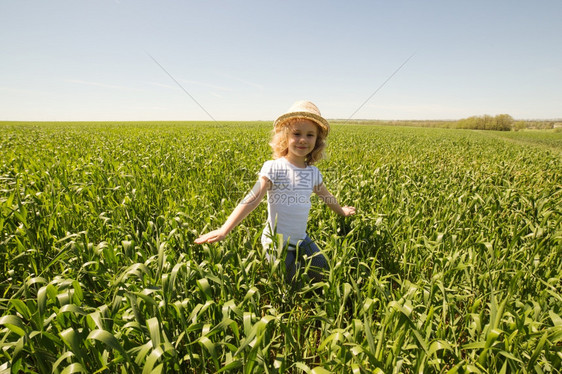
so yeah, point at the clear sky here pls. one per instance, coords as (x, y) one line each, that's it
(250, 60)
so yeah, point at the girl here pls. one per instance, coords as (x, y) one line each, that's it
(299, 139)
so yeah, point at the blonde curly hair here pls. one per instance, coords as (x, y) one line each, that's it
(280, 141)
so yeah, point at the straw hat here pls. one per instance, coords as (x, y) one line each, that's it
(303, 109)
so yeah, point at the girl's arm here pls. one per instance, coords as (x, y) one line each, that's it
(331, 201)
(247, 205)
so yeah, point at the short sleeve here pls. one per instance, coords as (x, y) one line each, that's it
(318, 179)
(267, 170)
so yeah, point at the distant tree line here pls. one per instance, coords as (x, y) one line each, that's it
(503, 122)
(500, 122)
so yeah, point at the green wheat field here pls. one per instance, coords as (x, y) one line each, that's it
(453, 263)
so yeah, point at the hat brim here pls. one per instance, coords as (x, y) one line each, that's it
(319, 120)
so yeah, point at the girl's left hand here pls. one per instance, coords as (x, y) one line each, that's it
(211, 237)
(348, 211)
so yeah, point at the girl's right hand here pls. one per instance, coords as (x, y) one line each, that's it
(211, 237)
(348, 211)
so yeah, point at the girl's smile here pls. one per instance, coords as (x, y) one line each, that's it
(301, 141)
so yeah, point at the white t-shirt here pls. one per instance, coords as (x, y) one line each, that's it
(288, 199)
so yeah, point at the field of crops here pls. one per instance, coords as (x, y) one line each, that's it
(453, 262)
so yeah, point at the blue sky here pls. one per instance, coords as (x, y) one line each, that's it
(250, 60)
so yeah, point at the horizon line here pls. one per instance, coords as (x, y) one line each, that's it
(556, 119)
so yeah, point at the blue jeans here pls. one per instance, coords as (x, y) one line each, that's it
(294, 260)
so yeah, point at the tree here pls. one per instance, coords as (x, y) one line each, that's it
(503, 122)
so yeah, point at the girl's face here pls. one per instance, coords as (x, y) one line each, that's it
(302, 136)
